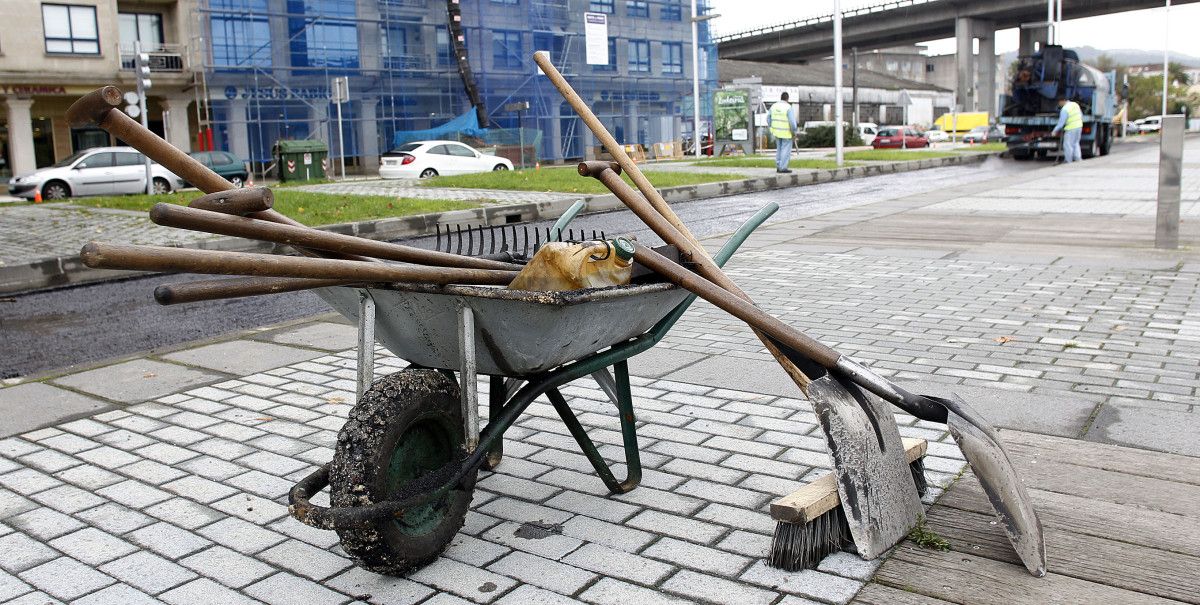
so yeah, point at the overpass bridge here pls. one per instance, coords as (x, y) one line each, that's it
(906, 22)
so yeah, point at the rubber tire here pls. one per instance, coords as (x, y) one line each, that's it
(161, 186)
(1106, 145)
(358, 475)
(51, 186)
(499, 168)
(428, 173)
(1023, 156)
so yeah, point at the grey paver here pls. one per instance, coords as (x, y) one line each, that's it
(241, 356)
(117, 594)
(615, 592)
(708, 588)
(136, 380)
(530, 595)
(314, 563)
(319, 335)
(65, 578)
(616, 563)
(543, 573)
(147, 572)
(204, 590)
(27, 406)
(465, 581)
(22, 552)
(807, 583)
(168, 540)
(92, 546)
(286, 589)
(383, 589)
(114, 518)
(230, 568)
(45, 523)
(240, 535)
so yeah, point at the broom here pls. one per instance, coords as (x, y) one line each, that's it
(810, 522)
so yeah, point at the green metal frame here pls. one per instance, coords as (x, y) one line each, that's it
(502, 414)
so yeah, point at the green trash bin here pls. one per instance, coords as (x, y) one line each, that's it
(302, 160)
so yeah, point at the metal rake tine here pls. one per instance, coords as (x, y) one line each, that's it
(525, 248)
(570, 235)
(537, 239)
(437, 244)
(458, 231)
(492, 239)
(470, 240)
(503, 238)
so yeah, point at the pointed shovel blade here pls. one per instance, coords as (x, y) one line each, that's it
(1000, 482)
(873, 479)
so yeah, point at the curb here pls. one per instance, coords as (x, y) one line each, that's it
(64, 271)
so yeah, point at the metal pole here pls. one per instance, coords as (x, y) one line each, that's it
(1166, 56)
(1052, 31)
(695, 81)
(341, 141)
(1058, 16)
(854, 86)
(839, 134)
(521, 137)
(1170, 170)
(141, 91)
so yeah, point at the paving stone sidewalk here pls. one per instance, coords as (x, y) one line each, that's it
(181, 498)
(413, 188)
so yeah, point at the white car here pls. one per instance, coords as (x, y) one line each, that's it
(425, 159)
(937, 136)
(867, 131)
(1149, 124)
(95, 171)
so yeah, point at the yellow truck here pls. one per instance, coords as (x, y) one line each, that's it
(961, 122)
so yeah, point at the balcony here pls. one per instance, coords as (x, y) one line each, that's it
(164, 58)
(403, 3)
(406, 62)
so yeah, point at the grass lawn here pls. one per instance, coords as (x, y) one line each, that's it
(765, 162)
(984, 147)
(565, 179)
(312, 209)
(897, 155)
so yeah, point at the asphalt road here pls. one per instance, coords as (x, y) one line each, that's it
(53, 330)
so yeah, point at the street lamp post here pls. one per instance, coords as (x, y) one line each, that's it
(696, 19)
(837, 81)
(1166, 55)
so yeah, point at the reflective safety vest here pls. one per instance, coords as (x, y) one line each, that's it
(1074, 116)
(781, 127)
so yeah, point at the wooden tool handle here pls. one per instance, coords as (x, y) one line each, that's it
(238, 202)
(158, 258)
(237, 287)
(170, 215)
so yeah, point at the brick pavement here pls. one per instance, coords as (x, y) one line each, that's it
(413, 188)
(181, 498)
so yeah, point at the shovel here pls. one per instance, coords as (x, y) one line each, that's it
(869, 460)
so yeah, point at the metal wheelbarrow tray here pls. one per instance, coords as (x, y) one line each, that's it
(405, 463)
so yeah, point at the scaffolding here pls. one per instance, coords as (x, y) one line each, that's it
(266, 67)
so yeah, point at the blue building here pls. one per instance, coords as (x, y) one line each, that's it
(268, 67)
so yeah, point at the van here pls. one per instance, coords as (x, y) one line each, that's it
(962, 122)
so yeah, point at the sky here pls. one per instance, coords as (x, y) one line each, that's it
(1133, 29)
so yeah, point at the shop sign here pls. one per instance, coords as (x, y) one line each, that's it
(272, 92)
(28, 90)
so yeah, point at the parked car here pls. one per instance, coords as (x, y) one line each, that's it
(1148, 124)
(937, 135)
(96, 171)
(984, 134)
(896, 137)
(867, 131)
(425, 159)
(225, 164)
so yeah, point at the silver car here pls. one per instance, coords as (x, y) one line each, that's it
(96, 171)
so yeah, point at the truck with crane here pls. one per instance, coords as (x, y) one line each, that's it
(1029, 111)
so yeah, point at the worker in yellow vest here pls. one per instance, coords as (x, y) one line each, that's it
(1070, 123)
(782, 122)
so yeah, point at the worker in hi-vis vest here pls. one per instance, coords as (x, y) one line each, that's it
(1070, 123)
(783, 127)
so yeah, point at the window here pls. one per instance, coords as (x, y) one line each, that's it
(637, 8)
(639, 55)
(70, 29)
(672, 10)
(443, 47)
(553, 43)
(128, 159)
(602, 6)
(99, 160)
(440, 150)
(612, 57)
(328, 41)
(506, 49)
(140, 27)
(672, 58)
(460, 151)
(512, 2)
(241, 37)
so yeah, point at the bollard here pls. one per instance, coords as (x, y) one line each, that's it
(1170, 171)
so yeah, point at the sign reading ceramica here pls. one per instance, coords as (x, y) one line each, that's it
(731, 114)
(42, 89)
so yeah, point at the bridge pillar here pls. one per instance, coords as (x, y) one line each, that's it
(1032, 40)
(975, 85)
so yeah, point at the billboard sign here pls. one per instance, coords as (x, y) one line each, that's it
(595, 32)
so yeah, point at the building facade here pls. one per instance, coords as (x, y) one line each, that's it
(240, 75)
(53, 52)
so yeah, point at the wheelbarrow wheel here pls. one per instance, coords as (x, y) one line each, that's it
(407, 424)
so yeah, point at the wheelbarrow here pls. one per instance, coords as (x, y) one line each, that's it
(405, 464)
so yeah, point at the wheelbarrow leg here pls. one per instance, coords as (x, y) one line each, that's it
(497, 395)
(468, 381)
(366, 341)
(624, 403)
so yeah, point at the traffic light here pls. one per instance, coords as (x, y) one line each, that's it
(143, 71)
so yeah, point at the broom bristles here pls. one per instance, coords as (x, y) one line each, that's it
(798, 546)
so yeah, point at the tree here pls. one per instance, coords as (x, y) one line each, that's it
(1145, 96)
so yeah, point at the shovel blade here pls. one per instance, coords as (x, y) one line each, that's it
(1000, 482)
(873, 479)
